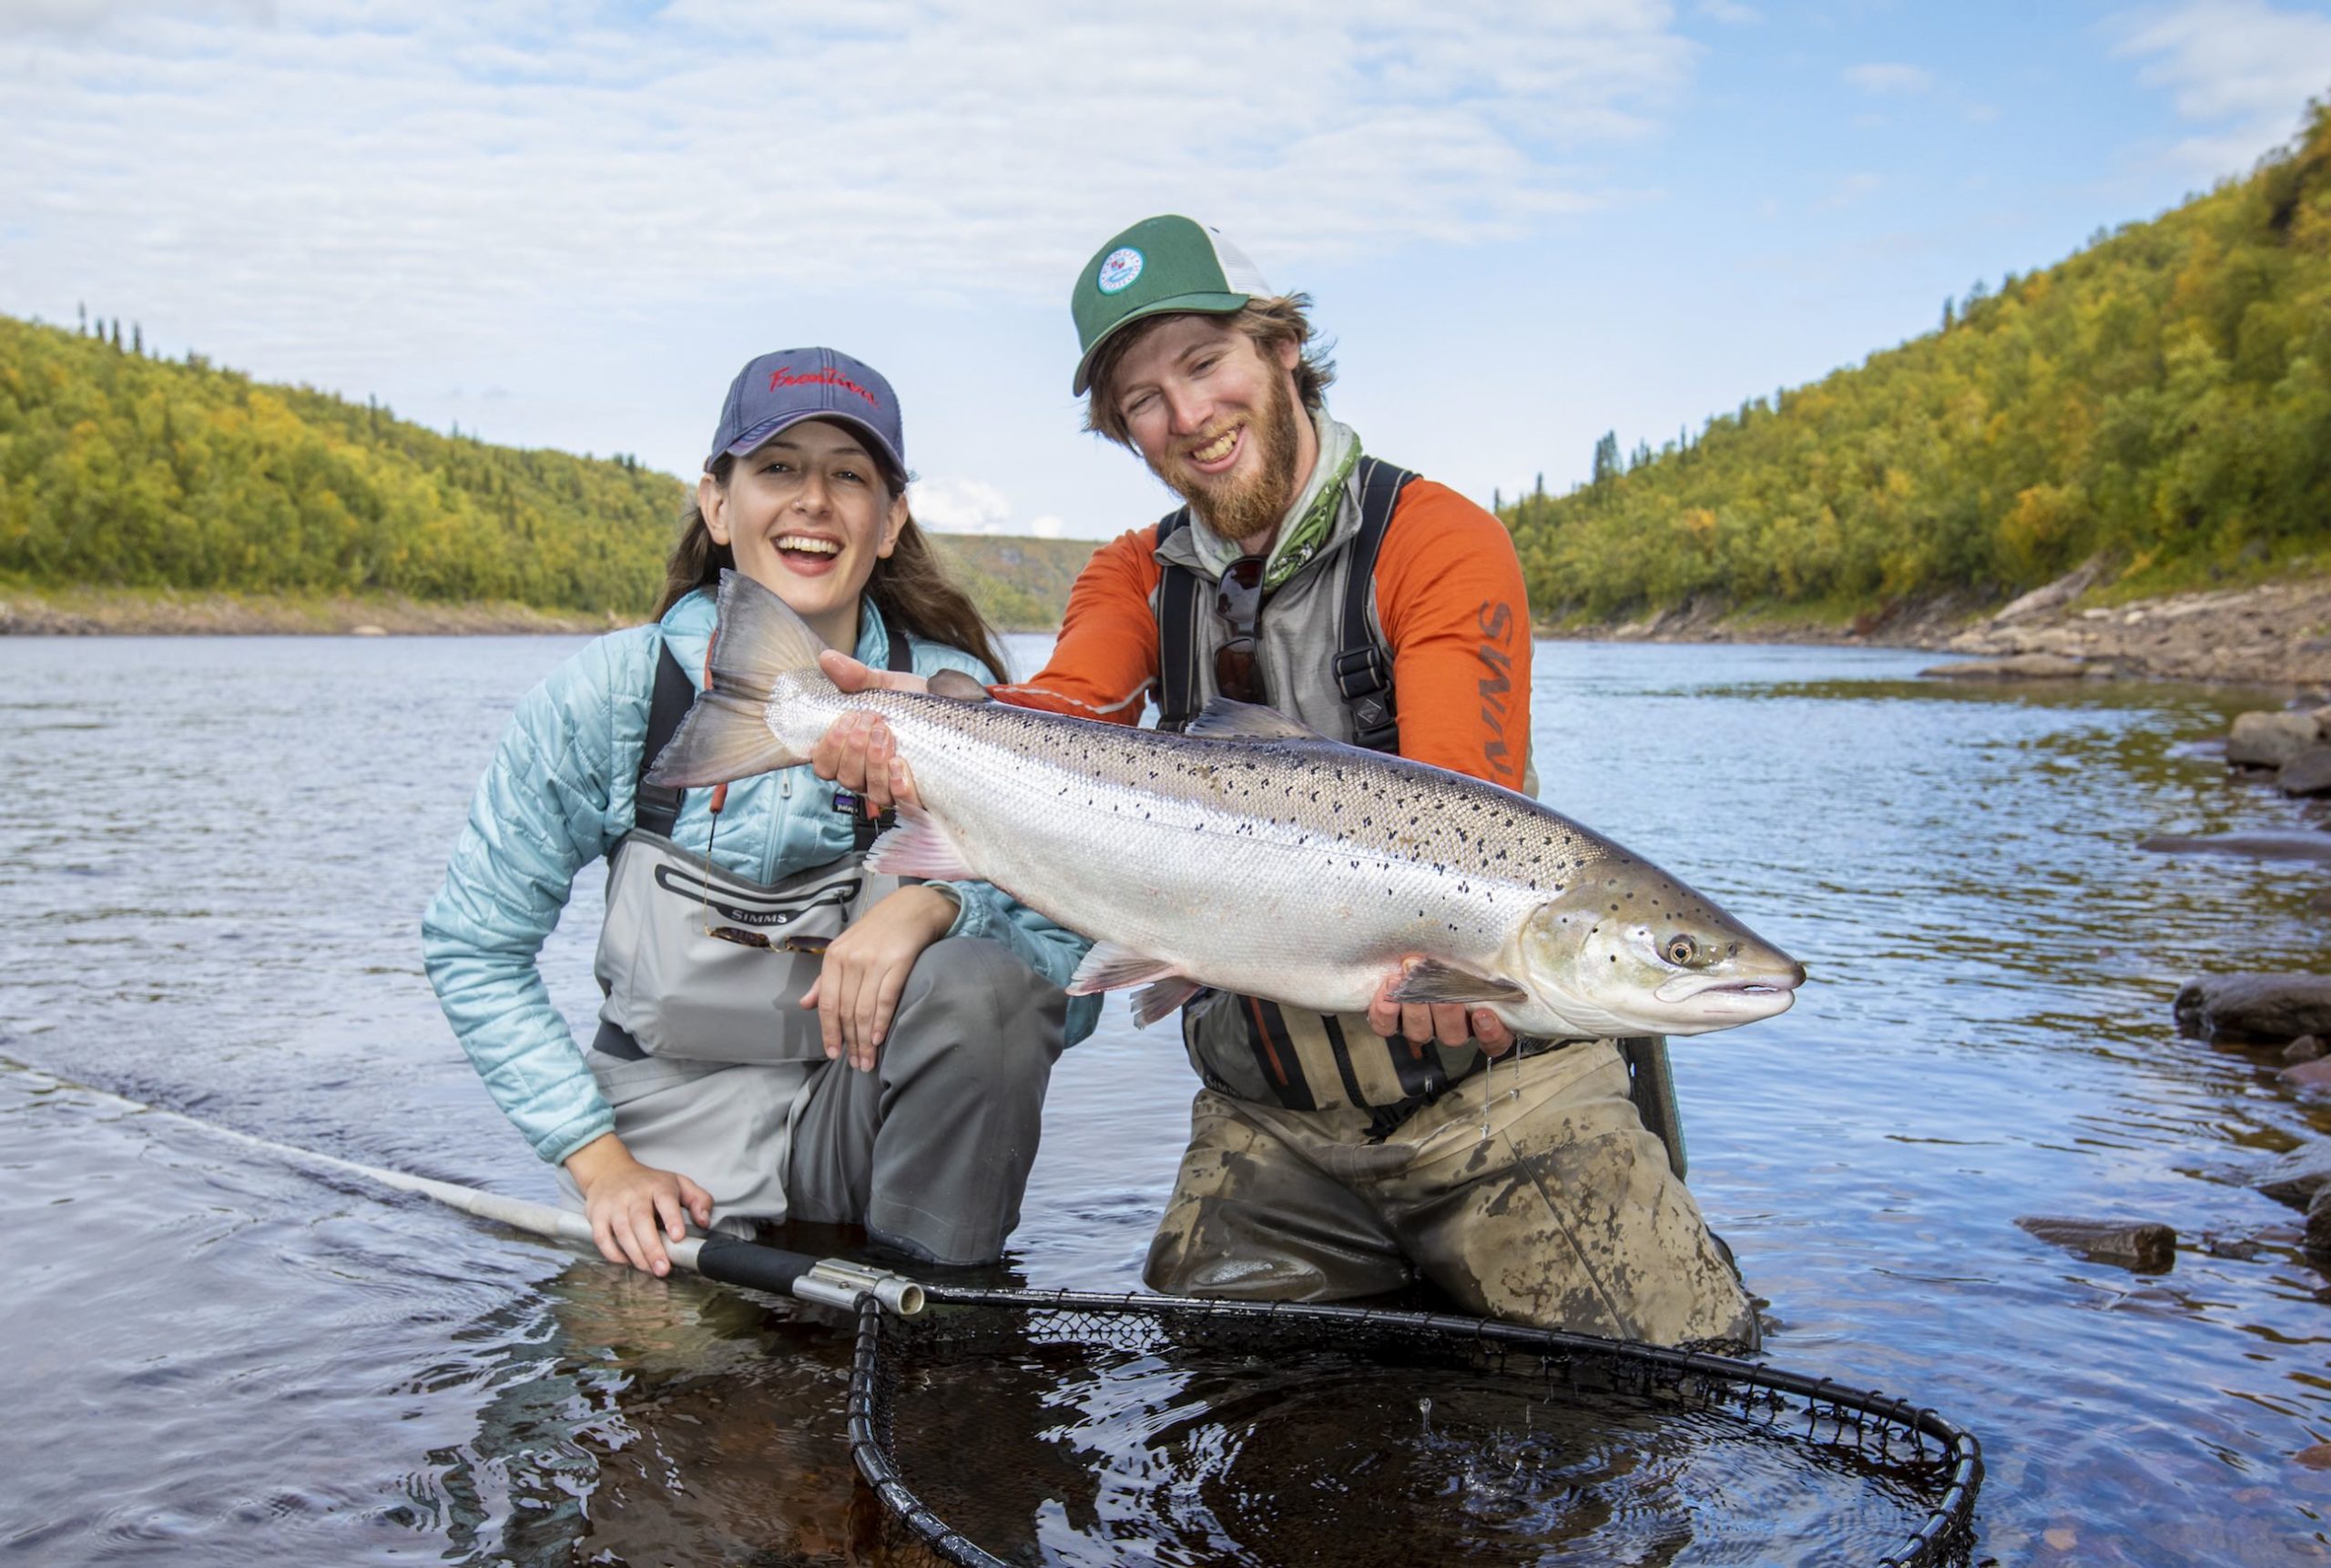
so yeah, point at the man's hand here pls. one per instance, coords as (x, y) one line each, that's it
(859, 752)
(865, 970)
(1449, 1023)
(627, 1202)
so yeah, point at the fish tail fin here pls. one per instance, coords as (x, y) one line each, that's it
(726, 735)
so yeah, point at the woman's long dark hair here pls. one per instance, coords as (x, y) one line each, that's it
(909, 587)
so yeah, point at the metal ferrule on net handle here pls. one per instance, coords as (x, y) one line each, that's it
(1831, 1412)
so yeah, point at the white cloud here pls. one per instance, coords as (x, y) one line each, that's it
(1047, 527)
(1881, 79)
(962, 507)
(393, 170)
(2240, 70)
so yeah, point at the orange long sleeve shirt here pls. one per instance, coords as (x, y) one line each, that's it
(1449, 594)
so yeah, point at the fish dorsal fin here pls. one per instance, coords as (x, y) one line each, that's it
(957, 687)
(1222, 719)
(758, 638)
(1111, 967)
(1429, 979)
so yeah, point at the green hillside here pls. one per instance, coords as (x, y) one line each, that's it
(2162, 400)
(122, 471)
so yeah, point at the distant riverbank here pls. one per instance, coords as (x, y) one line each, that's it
(2272, 634)
(2276, 633)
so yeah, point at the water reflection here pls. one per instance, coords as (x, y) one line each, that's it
(210, 877)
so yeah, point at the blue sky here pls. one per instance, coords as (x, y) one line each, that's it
(1524, 224)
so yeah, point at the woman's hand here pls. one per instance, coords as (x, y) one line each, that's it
(627, 1202)
(1421, 1023)
(865, 970)
(858, 751)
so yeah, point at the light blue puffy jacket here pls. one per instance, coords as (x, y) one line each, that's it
(557, 797)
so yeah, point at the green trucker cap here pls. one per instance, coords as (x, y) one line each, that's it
(1158, 266)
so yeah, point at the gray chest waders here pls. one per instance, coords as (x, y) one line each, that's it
(697, 962)
(1385, 1075)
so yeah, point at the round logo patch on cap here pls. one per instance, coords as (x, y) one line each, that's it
(1118, 269)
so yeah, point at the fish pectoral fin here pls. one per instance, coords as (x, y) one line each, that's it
(918, 848)
(1222, 719)
(1428, 979)
(1160, 998)
(957, 687)
(1109, 967)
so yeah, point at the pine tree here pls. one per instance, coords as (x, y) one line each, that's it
(1606, 457)
(136, 339)
(83, 307)
(116, 331)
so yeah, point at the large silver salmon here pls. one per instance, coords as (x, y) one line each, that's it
(1251, 854)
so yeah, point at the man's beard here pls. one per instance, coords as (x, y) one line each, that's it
(1238, 510)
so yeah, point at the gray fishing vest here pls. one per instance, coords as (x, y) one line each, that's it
(697, 962)
(1324, 659)
(1256, 1050)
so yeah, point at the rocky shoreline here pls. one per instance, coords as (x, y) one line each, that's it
(2270, 634)
(108, 612)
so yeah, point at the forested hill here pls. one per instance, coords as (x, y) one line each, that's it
(124, 471)
(121, 471)
(2161, 399)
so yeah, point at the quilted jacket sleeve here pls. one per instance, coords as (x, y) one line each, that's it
(545, 808)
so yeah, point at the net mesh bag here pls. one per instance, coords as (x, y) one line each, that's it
(1053, 1427)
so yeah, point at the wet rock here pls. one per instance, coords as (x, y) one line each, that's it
(2308, 773)
(2142, 1245)
(2315, 1458)
(2241, 1248)
(2270, 740)
(2298, 1176)
(2255, 1006)
(2318, 1219)
(2015, 667)
(2306, 1048)
(2312, 1077)
(2063, 591)
(2257, 846)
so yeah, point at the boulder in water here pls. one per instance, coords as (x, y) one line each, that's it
(2142, 1245)
(2297, 1176)
(2270, 740)
(2254, 1007)
(2308, 773)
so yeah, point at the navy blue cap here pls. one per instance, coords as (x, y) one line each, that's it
(783, 388)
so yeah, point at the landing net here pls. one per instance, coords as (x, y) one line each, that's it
(1045, 1427)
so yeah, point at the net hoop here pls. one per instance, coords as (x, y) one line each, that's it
(1695, 1379)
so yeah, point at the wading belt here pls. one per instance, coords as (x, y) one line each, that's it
(1363, 666)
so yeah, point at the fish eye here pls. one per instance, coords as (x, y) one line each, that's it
(1680, 950)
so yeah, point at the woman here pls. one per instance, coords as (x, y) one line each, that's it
(904, 1092)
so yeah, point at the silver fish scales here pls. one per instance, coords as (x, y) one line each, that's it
(1252, 855)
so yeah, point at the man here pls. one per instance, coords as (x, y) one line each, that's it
(1335, 1157)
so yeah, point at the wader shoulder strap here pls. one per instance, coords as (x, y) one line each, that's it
(1363, 669)
(657, 808)
(1179, 600)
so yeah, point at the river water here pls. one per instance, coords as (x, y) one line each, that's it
(213, 857)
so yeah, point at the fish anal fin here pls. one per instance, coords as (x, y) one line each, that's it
(1222, 719)
(957, 687)
(1111, 967)
(918, 848)
(1160, 998)
(1430, 981)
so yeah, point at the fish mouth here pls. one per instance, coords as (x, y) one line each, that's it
(1735, 998)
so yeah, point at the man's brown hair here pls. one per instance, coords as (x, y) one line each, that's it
(1283, 319)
